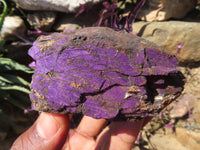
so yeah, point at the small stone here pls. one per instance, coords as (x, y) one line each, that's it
(13, 26)
(159, 10)
(67, 22)
(42, 20)
(70, 22)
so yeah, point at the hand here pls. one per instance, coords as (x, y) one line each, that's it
(51, 132)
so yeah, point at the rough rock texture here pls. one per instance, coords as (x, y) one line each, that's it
(67, 22)
(163, 139)
(192, 87)
(186, 114)
(192, 140)
(158, 10)
(182, 107)
(54, 5)
(42, 20)
(103, 74)
(172, 34)
(12, 26)
(70, 22)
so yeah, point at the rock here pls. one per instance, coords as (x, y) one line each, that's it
(42, 20)
(193, 80)
(53, 5)
(182, 107)
(137, 67)
(13, 26)
(166, 142)
(67, 22)
(70, 22)
(161, 140)
(189, 138)
(196, 111)
(68, 26)
(158, 10)
(193, 88)
(170, 35)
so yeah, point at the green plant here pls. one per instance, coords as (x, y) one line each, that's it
(3, 14)
(14, 89)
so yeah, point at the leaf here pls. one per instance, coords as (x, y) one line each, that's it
(2, 42)
(13, 79)
(4, 13)
(14, 87)
(7, 64)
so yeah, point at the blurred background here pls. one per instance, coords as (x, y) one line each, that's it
(172, 24)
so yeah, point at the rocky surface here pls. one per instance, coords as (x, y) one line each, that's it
(43, 20)
(53, 5)
(188, 138)
(181, 107)
(161, 140)
(192, 88)
(170, 35)
(67, 22)
(182, 39)
(13, 27)
(183, 130)
(159, 10)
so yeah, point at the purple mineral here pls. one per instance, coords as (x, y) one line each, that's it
(103, 73)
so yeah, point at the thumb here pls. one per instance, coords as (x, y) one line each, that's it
(48, 132)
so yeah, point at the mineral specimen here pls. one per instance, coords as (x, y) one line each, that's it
(103, 73)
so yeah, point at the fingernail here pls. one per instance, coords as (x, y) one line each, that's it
(47, 126)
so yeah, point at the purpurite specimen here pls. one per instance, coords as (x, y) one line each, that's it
(103, 73)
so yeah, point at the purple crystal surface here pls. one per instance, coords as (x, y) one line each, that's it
(103, 73)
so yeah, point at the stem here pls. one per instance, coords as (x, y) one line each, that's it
(3, 15)
(132, 15)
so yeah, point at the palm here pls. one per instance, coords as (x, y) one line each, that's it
(90, 136)
(51, 131)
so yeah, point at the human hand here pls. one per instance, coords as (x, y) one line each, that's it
(51, 132)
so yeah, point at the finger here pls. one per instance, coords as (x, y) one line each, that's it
(48, 132)
(119, 135)
(90, 127)
(84, 136)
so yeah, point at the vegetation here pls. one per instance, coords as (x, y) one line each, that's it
(14, 89)
(3, 14)
(14, 79)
